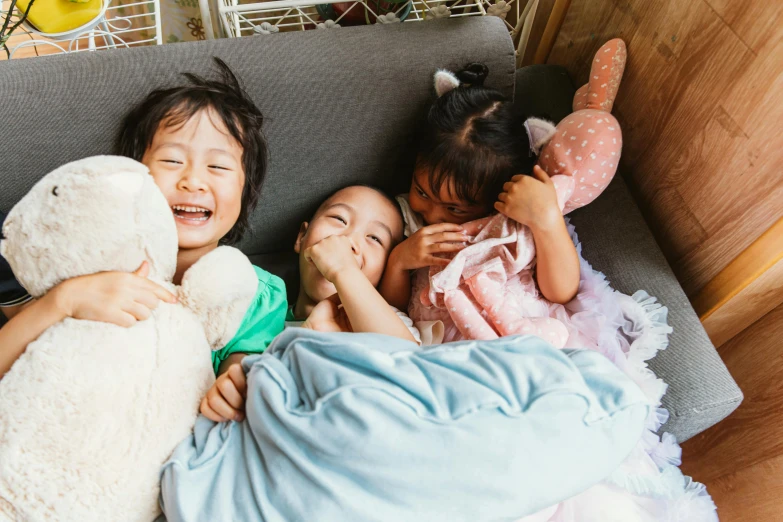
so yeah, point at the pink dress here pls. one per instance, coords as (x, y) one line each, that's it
(488, 289)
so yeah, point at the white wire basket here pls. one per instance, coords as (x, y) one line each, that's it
(119, 24)
(239, 18)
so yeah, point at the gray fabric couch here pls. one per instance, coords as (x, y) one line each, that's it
(340, 108)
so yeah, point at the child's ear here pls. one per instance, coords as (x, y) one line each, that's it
(445, 81)
(300, 237)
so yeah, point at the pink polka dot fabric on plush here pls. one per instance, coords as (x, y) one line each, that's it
(585, 147)
(606, 72)
(588, 142)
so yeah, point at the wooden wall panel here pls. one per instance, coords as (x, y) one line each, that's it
(700, 105)
(543, 12)
(746, 290)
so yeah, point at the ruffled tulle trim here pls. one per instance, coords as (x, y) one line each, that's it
(695, 504)
(669, 483)
(678, 497)
(631, 330)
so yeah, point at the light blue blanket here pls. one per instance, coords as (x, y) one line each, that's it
(362, 427)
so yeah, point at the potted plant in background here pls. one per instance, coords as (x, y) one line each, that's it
(6, 29)
(63, 19)
(366, 12)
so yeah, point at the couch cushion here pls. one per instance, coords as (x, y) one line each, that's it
(340, 105)
(544, 91)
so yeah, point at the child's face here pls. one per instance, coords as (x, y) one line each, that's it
(198, 167)
(370, 220)
(443, 207)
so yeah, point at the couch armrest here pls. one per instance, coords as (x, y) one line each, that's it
(616, 241)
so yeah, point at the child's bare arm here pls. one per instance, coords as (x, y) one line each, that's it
(25, 326)
(111, 297)
(234, 358)
(418, 251)
(11, 311)
(395, 286)
(557, 267)
(532, 201)
(366, 309)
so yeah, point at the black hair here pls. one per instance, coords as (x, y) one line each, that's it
(474, 138)
(374, 188)
(175, 106)
(388, 197)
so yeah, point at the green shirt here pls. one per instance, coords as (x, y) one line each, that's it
(264, 319)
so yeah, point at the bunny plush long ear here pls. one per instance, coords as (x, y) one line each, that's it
(445, 81)
(539, 132)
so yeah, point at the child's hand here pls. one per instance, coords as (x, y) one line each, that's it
(225, 400)
(327, 316)
(332, 255)
(112, 297)
(531, 201)
(419, 250)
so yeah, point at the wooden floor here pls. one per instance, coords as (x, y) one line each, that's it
(741, 459)
(701, 106)
(47, 46)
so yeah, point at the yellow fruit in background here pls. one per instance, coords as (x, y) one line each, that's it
(59, 16)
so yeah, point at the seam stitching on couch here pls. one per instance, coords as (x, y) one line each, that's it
(700, 411)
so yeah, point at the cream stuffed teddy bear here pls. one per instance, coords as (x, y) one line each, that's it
(91, 410)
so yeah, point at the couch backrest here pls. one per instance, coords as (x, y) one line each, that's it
(339, 105)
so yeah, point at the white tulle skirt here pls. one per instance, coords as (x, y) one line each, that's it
(648, 486)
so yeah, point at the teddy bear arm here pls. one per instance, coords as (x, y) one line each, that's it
(219, 289)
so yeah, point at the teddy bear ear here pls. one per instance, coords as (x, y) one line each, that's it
(539, 132)
(445, 81)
